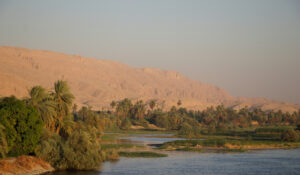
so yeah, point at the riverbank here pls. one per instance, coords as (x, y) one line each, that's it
(24, 165)
(222, 145)
(205, 143)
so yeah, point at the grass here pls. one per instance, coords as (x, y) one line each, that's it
(144, 154)
(269, 133)
(237, 140)
(225, 145)
(109, 137)
(272, 129)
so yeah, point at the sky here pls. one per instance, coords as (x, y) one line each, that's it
(249, 48)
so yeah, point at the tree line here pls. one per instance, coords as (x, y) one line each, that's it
(195, 122)
(49, 125)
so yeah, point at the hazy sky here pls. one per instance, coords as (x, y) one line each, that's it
(250, 48)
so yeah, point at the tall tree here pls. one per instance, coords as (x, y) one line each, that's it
(123, 108)
(179, 103)
(43, 102)
(64, 99)
(113, 104)
(152, 104)
(138, 110)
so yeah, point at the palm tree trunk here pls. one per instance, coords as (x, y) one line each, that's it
(57, 130)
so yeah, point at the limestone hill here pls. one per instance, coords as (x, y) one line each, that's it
(97, 82)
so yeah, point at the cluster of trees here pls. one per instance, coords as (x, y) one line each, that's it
(189, 122)
(49, 125)
(45, 125)
(20, 127)
(194, 122)
(145, 114)
(227, 118)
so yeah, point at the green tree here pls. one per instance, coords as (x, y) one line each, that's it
(138, 110)
(23, 126)
(179, 103)
(161, 120)
(64, 99)
(152, 104)
(186, 130)
(123, 108)
(41, 100)
(113, 104)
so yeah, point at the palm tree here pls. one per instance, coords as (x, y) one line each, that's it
(179, 103)
(113, 104)
(67, 126)
(123, 108)
(64, 99)
(44, 104)
(152, 104)
(138, 110)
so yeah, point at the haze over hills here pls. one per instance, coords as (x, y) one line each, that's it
(97, 82)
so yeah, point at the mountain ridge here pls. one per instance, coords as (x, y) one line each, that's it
(97, 82)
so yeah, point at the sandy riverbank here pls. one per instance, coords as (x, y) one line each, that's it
(24, 165)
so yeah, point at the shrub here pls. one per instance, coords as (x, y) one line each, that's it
(126, 124)
(78, 152)
(290, 135)
(51, 149)
(186, 130)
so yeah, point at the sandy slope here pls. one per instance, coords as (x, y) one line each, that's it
(24, 165)
(97, 82)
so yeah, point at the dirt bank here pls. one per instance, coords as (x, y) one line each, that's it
(24, 165)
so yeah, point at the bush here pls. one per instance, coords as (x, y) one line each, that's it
(51, 149)
(126, 124)
(186, 130)
(290, 135)
(78, 152)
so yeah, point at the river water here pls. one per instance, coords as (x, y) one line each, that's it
(270, 162)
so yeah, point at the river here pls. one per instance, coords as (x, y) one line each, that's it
(273, 162)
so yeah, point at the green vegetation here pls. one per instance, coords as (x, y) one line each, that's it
(50, 126)
(145, 154)
(43, 125)
(3, 142)
(225, 145)
(23, 127)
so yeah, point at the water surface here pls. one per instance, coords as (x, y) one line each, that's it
(266, 162)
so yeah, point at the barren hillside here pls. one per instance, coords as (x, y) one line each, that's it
(97, 82)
